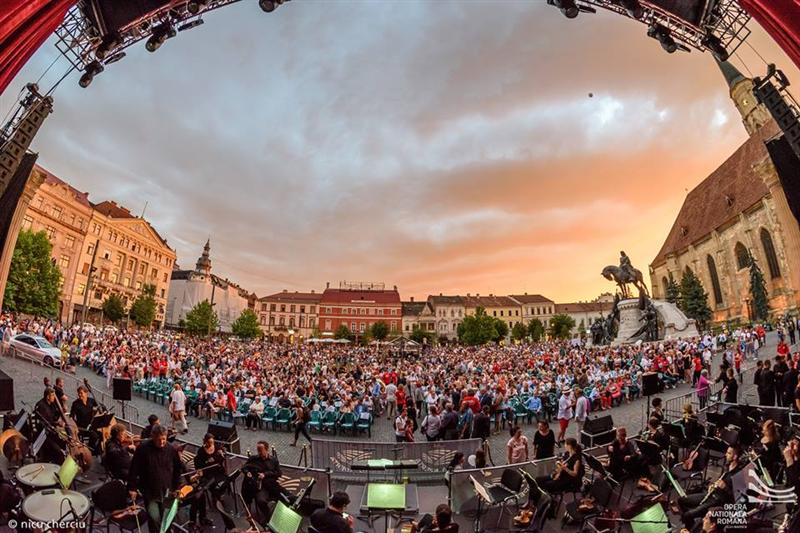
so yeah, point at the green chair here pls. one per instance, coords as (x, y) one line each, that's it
(269, 416)
(329, 421)
(519, 412)
(315, 422)
(364, 423)
(283, 418)
(348, 422)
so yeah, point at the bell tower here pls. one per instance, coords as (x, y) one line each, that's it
(754, 115)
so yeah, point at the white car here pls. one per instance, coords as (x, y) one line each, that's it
(88, 327)
(37, 348)
(110, 329)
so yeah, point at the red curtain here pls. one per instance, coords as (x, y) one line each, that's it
(781, 19)
(24, 26)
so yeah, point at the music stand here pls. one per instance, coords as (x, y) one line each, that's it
(284, 519)
(675, 431)
(100, 421)
(38, 443)
(675, 485)
(596, 466)
(652, 520)
(651, 452)
(716, 419)
(483, 496)
(386, 497)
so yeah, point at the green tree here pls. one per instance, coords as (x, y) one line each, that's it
(536, 330)
(582, 328)
(519, 331)
(143, 308)
(34, 280)
(694, 299)
(421, 336)
(501, 330)
(478, 329)
(379, 330)
(672, 292)
(758, 291)
(561, 326)
(202, 319)
(246, 325)
(113, 308)
(343, 332)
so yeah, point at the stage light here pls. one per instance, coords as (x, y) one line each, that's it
(107, 44)
(114, 58)
(713, 43)
(568, 7)
(161, 33)
(92, 69)
(196, 6)
(189, 25)
(662, 35)
(268, 6)
(633, 7)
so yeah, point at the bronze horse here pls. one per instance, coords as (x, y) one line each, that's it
(622, 279)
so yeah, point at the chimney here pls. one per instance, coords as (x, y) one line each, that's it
(412, 299)
(312, 291)
(395, 287)
(328, 285)
(491, 295)
(284, 290)
(468, 295)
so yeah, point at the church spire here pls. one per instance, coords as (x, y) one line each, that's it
(754, 115)
(204, 262)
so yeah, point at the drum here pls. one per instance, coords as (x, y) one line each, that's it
(49, 510)
(13, 445)
(37, 476)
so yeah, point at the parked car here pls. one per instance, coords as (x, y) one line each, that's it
(37, 348)
(110, 329)
(89, 327)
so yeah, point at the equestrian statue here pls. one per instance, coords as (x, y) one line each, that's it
(625, 274)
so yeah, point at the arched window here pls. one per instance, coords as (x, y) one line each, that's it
(664, 285)
(712, 271)
(769, 251)
(742, 256)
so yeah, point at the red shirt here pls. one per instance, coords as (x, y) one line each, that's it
(698, 364)
(783, 349)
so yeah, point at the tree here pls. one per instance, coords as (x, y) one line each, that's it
(536, 330)
(143, 308)
(694, 299)
(343, 332)
(479, 328)
(561, 326)
(202, 319)
(672, 292)
(758, 291)
(421, 336)
(379, 330)
(34, 280)
(582, 328)
(501, 330)
(519, 331)
(113, 308)
(246, 325)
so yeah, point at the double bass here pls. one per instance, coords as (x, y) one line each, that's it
(76, 449)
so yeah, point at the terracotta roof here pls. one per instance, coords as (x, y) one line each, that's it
(294, 297)
(531, 299)
(584, 307)
(112, 210)
(413, 308)
(346, 296)
(728, 191)
(81, 197)
(489, 301)
(445, 300)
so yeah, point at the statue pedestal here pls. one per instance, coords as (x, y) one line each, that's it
(676, 325)
(629, 323)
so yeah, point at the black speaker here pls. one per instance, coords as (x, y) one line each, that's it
(6, 392)
(601, 424)
(122, 389)
(225, 434)
(650, 384)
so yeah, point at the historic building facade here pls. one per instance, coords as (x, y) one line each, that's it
(448, 313)
(504, 308)
(418, 315)
(359, 308)
(130, 253)
(188, 288)
(289, 316)
(535, 306)
(740, 209)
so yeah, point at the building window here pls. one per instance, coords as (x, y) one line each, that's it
(352, 326)
(138, 285)
(712, 271)
(56, 212)
(327, 325)
(127, 282)
(769, 251)
(283, 308)
(282, 321)
(115, 277)
(81, 288)
(302, 321)
(291, 322)
(313, 309)
(27, 222)
(64, 262)
(302, 309)
(742, 256)
(271, 320)
(393, 326)
(263, 307)
(165, 277)
(69, 242)
(362, 327)
(664, 285)
(263, 320)
(312, 323)
(163, 293)
(291, 309)
(51, 232)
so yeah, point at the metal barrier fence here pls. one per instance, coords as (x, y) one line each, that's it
(673, 407)
(293, 478)
(131, 411)
(433, 457)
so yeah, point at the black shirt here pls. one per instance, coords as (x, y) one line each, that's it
(544, 445)
(255, 465)
(48, 411)
(83, 413)
(146, 432)
(481, 427)
(117, 460)
(155, 471)
(731, 390)
(216, 460)
(329, 521)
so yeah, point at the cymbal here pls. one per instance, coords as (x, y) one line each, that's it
(13, 445)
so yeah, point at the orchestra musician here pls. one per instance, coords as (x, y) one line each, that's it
(769, 450)
(331, 519)
(441, 523)
(210, 464)
(695, 505)
(82, 412)
(625, 457)
(569, 471)
(691, 426)
(53, 450)
(119, 453)
(791, 455)
(155, 472)
(152, 421)
(261, 473)
(59, 389)
(657, 434)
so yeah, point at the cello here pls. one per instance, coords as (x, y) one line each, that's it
(76, 449)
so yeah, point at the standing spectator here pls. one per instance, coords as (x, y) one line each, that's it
(431, 425)
(481, 427)
(465, 421)
(731, 387)
(391, 400)
(564, 414)
(702, 388)
(766, 386)
(400, 426)
(778, 371)
(449, 423)
(544, 441)
(517, 447)
(177, 408)
(581, 409)
(697, 363)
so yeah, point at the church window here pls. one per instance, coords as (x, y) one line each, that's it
(712, 271)
(769, 251)
(664, 284)
(742, 256)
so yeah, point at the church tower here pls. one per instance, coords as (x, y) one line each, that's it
(754, 115)
(204, 262)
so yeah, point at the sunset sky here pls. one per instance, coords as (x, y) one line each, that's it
(447, 146)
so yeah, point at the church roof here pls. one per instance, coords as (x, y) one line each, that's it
(730, 190)
(730, 72)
